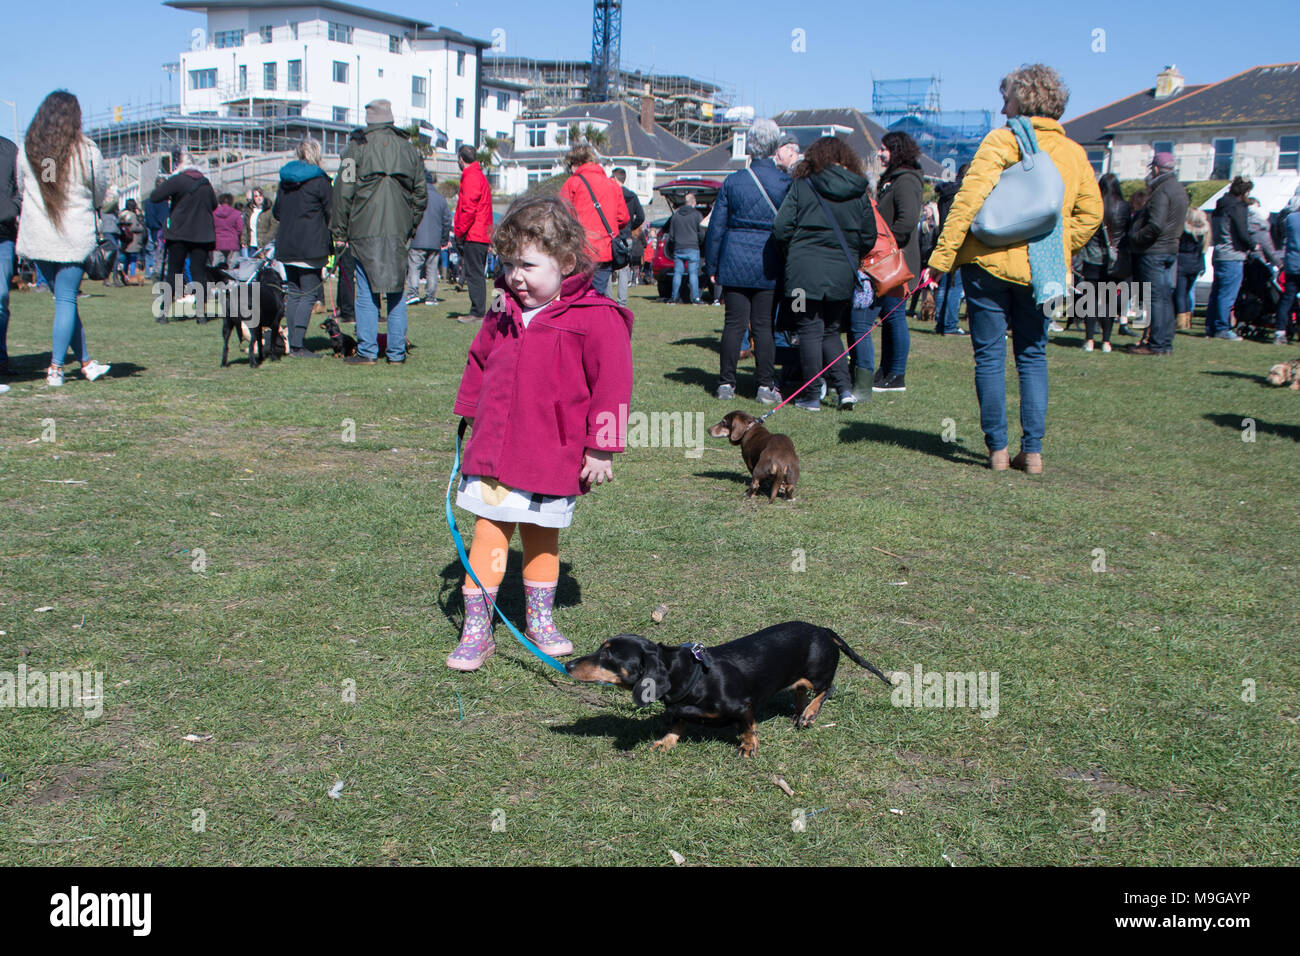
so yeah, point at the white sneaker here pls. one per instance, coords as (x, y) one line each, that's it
(3, 388)
(1087, 346)
(93, 370)
(54, 376)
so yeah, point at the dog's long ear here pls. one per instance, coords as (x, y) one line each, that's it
(653, 682)
(740, 423)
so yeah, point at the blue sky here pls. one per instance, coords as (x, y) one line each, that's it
(110, 53)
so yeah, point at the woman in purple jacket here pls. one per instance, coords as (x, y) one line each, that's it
(546, 389)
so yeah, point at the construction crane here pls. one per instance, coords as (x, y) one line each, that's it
(606, 38)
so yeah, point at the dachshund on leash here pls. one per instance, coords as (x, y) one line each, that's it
(768, 457)
(725, 684)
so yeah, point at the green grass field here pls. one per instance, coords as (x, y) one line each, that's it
(1147, 713)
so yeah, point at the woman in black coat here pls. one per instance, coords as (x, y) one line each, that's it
(820, 275)
(302, 240)
(1106, 258)
(898, 197)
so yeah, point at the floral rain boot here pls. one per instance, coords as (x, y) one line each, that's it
(539, 599)
(476, 644)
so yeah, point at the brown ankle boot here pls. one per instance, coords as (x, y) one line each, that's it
(999, 460)
(1030, 462)
(1184, 320)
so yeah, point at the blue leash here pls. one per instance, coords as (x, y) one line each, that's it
(545, 658)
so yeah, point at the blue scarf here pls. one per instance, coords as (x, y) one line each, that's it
(1048, 271)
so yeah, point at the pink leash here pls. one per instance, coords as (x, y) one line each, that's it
(873, 328)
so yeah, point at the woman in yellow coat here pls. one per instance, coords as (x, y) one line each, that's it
(998, 282)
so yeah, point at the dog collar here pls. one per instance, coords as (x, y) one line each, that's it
(702, 658)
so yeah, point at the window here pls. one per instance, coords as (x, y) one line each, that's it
(381, 72)
(340, 114)
(293, 30)
(268, 76)
(293, 109)
(239, 109)
(1097, 160)
(459, 144)
(1163, 146)
(293, 81)
(267, 109)
(460, 62)
(536, 134)
(460, 108)
(482, 100)
(340, 71)
(394, 44)
(1288, 152)
(340, 32)
(203, 79)
(503, 101)
(227, 38)
(417, 91)
(243, 78)
(265, 33)
(502, 134)
(1223, 150)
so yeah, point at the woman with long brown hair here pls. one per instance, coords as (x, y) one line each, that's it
(64, 182)
(898, 196)
(820, 274)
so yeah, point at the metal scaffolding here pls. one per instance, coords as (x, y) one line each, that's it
(914, 105)
(606, 42)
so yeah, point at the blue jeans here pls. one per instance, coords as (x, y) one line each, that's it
(947, 300)
(65, 279)
(600, 278)
(864, 354)
(895, 338)
(1223, 293)
(368, 320)
(688, 259)
(1158, 272)
(1185, 292)
(992, 306)
(6, 274)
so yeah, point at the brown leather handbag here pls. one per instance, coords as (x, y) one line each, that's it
(885, 263)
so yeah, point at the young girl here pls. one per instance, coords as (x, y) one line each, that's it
(546, 389)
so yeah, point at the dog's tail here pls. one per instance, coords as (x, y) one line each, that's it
(852, 655)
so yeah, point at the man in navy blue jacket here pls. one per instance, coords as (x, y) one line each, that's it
(155, 218)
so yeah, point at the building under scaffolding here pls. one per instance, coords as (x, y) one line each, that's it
(690, 109)
(914, 106)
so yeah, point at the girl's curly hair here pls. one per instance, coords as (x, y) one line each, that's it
(903, 150)
(1038, 89)
(828, 151)
(55, 134)
(548, 222)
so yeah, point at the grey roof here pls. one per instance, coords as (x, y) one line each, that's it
(1260, 96)
(626, 137)
(205, 5)
(864, 139)
(1087, 129)
(455, 36)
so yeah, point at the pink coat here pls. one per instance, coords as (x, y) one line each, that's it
(543, 395)
(228, 223)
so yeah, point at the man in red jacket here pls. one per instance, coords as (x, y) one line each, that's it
(473, 229)
(586, 186)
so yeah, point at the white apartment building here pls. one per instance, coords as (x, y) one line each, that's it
(325, 60)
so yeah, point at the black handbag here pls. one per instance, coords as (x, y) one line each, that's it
(99, 265)
(620, 247)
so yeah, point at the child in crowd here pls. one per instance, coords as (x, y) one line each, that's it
(546, 390)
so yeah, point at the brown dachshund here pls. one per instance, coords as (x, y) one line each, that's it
(768, 457)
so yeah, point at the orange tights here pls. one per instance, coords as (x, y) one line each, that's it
(491, 547)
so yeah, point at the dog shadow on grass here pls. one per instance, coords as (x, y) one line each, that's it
(32, 367)
(929, 443)
(1225, 373)
(451, 602)
(635, 729)
(736, 477)
(1237, 423)
(696, 377)
(710, 343)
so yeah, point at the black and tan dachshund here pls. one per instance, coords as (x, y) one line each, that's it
(725, 684)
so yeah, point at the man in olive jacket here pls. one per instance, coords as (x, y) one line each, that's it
(1154, 234)
(379, 199)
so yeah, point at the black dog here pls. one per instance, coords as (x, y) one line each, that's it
(342, 343)
(727, 684)
(266, 341)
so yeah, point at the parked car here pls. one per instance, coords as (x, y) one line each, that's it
(674, 193)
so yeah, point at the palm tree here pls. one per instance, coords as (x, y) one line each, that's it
(591, 134)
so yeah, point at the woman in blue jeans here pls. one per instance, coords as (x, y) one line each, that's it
(898, 197)
(1012, 287)
(58, 218)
